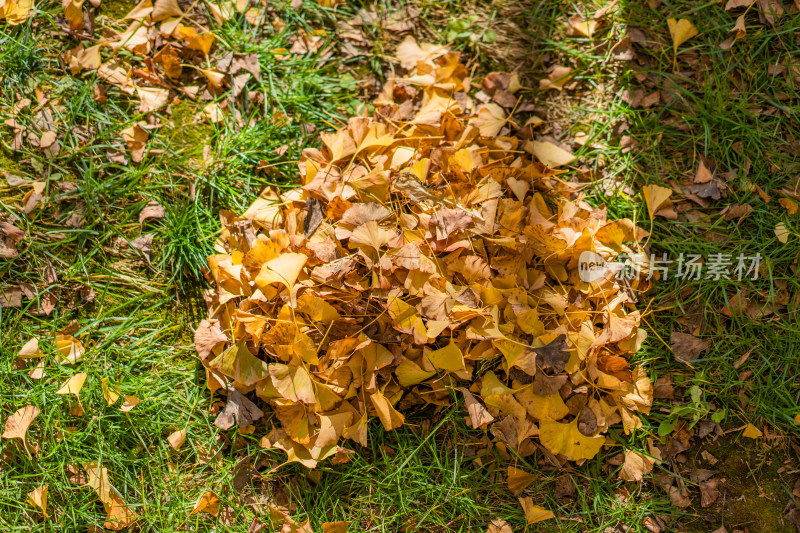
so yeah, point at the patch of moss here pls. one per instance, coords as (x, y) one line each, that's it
(754, 494)
(183, 131)
(7, 162)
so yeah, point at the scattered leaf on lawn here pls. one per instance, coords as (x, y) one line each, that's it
(499, 526)
(658, 203)
(579, 26)
(518, 480)
(30, 350)
(782, 232)
(534, 513)
(636, 466)
(118, 515)
(17, 424)
(687, 347)
(733, 4)
(789, 204)
(557, 79)
(752, 432)
(681, 30)
(129, 403)
(111, 393)
(70, 348)
(208, 503)
(73, 386)
(335, 527)
(38, 498)
(548, 153)
(703, 175)
(177, 439)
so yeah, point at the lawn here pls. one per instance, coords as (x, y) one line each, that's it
(114, 254)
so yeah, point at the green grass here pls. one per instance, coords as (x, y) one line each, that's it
(137, 328)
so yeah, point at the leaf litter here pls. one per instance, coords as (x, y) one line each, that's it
(429, 249)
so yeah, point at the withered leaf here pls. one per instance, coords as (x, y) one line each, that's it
(315, 214)
(686, 347)
(238, 411)
(554, 355)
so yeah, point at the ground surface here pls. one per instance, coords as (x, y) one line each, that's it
(634, 112)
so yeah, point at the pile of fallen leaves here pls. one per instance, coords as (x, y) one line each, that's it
(429, 249)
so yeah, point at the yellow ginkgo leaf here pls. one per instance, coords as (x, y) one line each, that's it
(335, 527)
(567, 440)
(177, 439)
(548, 153)
(406, 319)
(410, 373)
(16, 12)
(636, 466)
(284, 270)
(534, 513)
(17, 424)
(30, 350)
(390, 417)
(238, 363)
(70, 348)
(752, 432)
(316, 308)
(215, 79)
(111, 393)
(38, 498)
(492, 385)
(208, 503)
(518, 480)
(370, 234)
(129, 403)
(782, 232)
(164, 9)
(490, 120)
(118, 515)
(73, 385)
(658, 203)
(681, 30)
(790, 205)
(449, 358)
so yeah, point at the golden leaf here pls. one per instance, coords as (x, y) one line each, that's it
(176, 439)
(38, 498)
(284, 269)
(208, 503)
(518, 480)
(658, 202)
(681, 30)
(567, 440)
(30, 350)
(238, 363)
(548, 153)
(752, 432)
(70, 348)
(449, 358)
(389, 416)
(534, 513)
